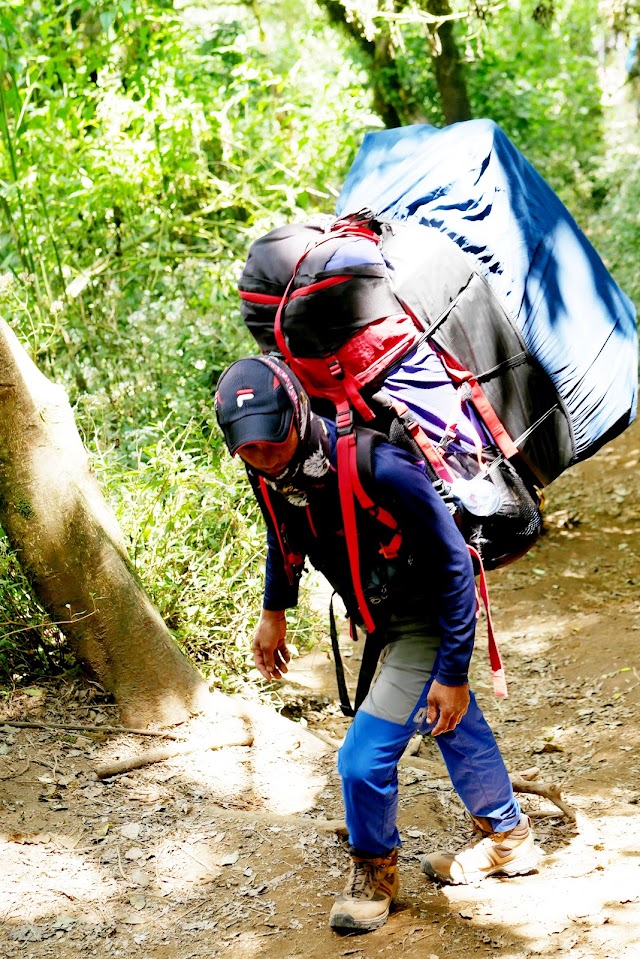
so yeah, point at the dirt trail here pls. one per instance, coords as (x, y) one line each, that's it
(220, 854)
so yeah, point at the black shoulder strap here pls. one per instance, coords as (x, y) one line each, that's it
(373, 646)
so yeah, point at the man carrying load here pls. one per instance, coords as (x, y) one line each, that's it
(416, 573)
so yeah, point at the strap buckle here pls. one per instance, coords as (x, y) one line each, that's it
(344, 422)
(335, 368)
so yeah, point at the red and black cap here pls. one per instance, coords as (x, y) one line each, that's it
(257, 399)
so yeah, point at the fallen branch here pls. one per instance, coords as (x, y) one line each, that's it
(530, 774)
(160, 755)
(522, 783)
(550, 792)
(53, 727)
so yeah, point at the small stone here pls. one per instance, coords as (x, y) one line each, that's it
(134, 853)
(130, 830)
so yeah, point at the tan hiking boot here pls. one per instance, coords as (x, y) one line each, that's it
(371, 887)
(512, 853)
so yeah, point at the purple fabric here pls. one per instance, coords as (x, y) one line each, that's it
(355, 252)
(422, 383)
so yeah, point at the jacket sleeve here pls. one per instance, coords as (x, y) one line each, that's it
(418, 507)
(279, 593)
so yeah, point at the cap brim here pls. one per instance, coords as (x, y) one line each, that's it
(258, 428)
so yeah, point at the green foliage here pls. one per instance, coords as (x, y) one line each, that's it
(615, 227)
(30, 646)
(535, 72)
(144, 146)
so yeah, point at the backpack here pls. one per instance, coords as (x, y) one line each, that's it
(322, 297)
(547, 372)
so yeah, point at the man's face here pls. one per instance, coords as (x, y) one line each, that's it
(270, 458)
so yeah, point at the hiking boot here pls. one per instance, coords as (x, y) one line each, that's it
(371, 887)
(511, 853)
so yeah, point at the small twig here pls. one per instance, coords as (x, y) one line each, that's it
(93, 729)
(160, 755)
(69, 895)
(121, 870)
(43, 762)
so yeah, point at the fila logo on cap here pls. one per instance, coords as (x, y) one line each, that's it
(242, 396)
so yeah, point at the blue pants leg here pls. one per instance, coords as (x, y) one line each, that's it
(392, 712)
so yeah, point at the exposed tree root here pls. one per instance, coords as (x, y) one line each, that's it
(120, 766)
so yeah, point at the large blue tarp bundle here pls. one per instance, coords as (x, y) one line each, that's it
(471, 183)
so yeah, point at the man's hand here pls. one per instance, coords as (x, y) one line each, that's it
(447, 705)
(270, 653)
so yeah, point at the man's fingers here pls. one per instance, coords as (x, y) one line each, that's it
(446, 723)
(271, 664)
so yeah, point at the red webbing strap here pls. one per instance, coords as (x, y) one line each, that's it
(265, 298)
(320, 285)
(491, 419)
(344, 447)
(391, 549)
(352, 229)
(289, 558)
(432, 454)
(497, 669)
(277, 323)
(349, 386)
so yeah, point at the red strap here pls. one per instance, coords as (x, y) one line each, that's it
(497, 669)
(320, 285)
(350, 388)
(498, 431)
(265, 298)
(391, 549)
(344, 226)
(432, 454)
(289, 558)
(378, 512)
(345, 452)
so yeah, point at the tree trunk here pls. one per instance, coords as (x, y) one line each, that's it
(385, 83)
(71, 549)
(448, 66)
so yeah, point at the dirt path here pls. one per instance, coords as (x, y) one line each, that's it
(221, 854)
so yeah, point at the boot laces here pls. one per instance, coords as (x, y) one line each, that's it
(363, 876)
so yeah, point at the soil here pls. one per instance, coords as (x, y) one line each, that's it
(228, 853)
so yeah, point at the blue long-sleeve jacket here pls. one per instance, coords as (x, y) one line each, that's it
(433, 576)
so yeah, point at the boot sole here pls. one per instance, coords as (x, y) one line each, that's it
(523, 868)
(343, 920)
